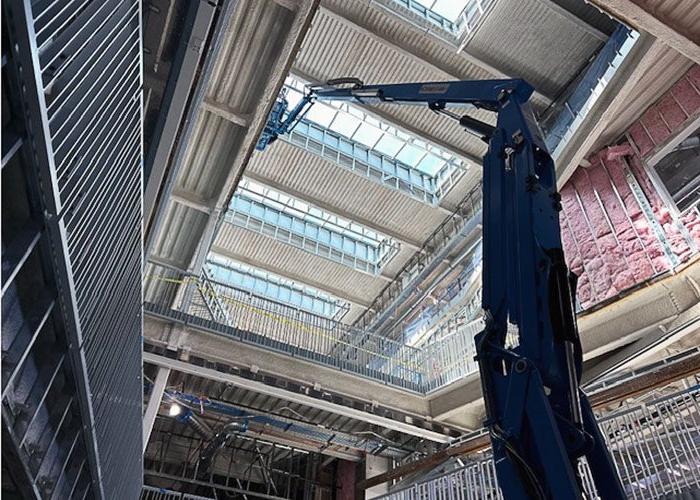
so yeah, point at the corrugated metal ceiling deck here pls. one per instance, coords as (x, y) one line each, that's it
(246, 73)
(588, 14)
(334, 47)
(280, 258)
(180, 234)
(345, 193)
(535, 42)
(684, 13)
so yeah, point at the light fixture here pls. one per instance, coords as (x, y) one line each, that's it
(174, 410)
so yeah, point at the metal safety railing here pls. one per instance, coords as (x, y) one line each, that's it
(452, 357)
(273, 325)
(437, 246)
(260, 321)
(153, 493)
(655, 446)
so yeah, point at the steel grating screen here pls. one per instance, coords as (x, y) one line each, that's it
(80, 69)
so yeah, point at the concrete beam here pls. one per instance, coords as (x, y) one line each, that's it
(452, 402)
(172, 265)
(279, 186)
(154, 401)
(216, 347)
(652, 344)
(189, 200)
(291, 5)
(224, 111)
(302, 399)
(644, 16)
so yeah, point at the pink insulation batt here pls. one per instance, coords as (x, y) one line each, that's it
(608, 240)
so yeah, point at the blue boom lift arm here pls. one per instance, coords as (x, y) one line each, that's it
(529, 354)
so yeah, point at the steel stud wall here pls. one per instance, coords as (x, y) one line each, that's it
(77, 69)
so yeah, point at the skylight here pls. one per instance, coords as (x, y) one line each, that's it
(267, 211)
(449, 9)
(455, 16)
(262, 283)
(404, 161)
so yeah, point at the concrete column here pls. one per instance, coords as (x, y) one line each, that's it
(373, 467)
(149, 417)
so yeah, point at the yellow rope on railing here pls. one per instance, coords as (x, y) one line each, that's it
(279, 318)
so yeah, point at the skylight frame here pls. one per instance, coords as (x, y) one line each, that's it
(324, 130)
(259, 208)
(269, 286)
(460, 26)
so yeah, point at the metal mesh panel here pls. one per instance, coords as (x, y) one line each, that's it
(656, 448)
(80, 66)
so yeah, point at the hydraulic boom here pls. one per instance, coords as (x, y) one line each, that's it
(529, 354)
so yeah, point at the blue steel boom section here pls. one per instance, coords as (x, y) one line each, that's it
(541, 423)
(282, 120)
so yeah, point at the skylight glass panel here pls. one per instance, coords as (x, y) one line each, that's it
(321, 114)
(368, 135)
(449, 9)
(389, 145)
(345, 123)
(431, 164)
(267, 211)
(268, 285)
(457, 17)
(410, 155)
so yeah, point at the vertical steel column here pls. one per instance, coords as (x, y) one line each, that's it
(149, 417)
